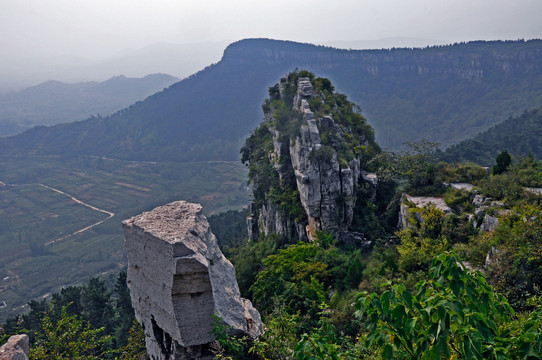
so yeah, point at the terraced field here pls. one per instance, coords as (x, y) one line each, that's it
(60, 217)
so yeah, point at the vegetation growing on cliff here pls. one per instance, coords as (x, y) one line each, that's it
(270, 170)
(408, 298)
(305, 291)
(430, 304)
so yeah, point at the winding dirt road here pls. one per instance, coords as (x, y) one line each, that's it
(110, 215)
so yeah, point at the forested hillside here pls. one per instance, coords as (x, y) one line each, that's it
(446, 264)
(519, 135)
(444, 94)
(54, 102)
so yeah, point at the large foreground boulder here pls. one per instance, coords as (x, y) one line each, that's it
(16, 348)
(178, 279)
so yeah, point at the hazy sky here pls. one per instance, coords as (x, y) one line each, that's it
(94, 28)
(61, 39)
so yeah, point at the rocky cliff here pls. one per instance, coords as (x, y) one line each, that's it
(306, 159)
(178, 279)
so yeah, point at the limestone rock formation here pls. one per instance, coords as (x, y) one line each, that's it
(490, 223)
(178, 279)
(316, 158)
(419, 202)
(16, 348)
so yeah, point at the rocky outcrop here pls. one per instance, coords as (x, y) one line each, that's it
(461, 186)
(178, 279)
(16, 348)
(490, 223)
(326, 183)
(408, 201)
(326, 190)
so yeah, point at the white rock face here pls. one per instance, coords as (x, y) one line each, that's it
(419, 202)
(16, 348)
(490, 223)
(178, 278)
(536, 191)
(462, 186)
(327, 186)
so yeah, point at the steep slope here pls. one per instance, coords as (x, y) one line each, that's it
(444, 94)
(306, 160)
(54, 102)
(518, 135)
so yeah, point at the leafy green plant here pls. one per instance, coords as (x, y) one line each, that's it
(231, 345)
(455, 314)
(423, 239)
(68, 338)
(463, 172)
(295, 277)
(459, 200)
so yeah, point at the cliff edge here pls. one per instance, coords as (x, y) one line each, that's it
(306, 161)
(178, 279)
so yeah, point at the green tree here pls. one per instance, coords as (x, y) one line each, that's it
(294, 276)
(97, 307)
(503, 162)
(417, 166)
(516, 265)
(124, 312)
(423, 239)
(68, 338)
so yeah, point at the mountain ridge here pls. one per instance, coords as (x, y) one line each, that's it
(443, 93)
(53, 101)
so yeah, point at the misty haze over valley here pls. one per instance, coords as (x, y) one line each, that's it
(372, 170)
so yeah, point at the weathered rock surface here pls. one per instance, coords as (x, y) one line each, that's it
(320, 179)
(178, 279)
(536, 191)
(490, 223)
(420, 202)
(462, 186)
(16, 348)
(479, 200)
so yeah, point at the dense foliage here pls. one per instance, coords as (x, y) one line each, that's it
(519, 135)
(413, 301)
(271, 176)
(453, 314)
(93, 321)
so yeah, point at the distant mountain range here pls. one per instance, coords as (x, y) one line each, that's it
(442, 93)
(519, 135)
(54, 102)
(179, 60)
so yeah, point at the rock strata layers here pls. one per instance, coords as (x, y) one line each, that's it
(178, 279)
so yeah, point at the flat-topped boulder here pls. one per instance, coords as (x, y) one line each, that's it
(178, 279)
(419, 202)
